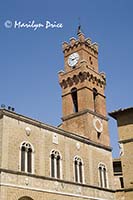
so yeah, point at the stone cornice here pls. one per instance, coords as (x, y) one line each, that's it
(117, 113)
(126, 141)
(52, 179)
(125, 190)
(69, 79)
(84, 112)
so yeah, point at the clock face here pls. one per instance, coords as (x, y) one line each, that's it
(73, 59)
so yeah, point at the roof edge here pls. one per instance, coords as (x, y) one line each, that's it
(120, 111)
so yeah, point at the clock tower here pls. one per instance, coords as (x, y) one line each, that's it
(83, 99)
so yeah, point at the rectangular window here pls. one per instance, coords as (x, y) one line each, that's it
(121, 182)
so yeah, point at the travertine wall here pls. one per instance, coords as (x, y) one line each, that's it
(15, 186)
(43, 141)
(125, 130)
(124, 119)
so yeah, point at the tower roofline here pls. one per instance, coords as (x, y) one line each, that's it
(81, 41)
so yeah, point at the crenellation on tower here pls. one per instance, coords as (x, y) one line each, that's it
(81, 37)
(72, 41)
(86, 50)
(81, 42)
(88, 40)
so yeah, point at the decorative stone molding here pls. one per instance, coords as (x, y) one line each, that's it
(26, 181)
(97, 123)
(78, 146)
(28, 131)
(55, 138)
(81, 77)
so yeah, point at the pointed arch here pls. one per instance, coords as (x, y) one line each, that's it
(103, 180)
(55, 164)
(26, 157)
(25, 198)
(78, 169)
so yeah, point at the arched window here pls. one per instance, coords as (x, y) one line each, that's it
(55, 164)
(78, 169)
(95, 93)
(26, 157)
(25, 198)
(74, 99)
(102, 175)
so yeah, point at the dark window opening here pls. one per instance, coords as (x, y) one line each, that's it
(100, 174)
(76, 171)
(52, 166)
(105, 178)
(95, 93)
(90, 60)
(117, 167)
(58, 166)
(98, 135)
(29, 160)
(75, 99)
(121, 182)
(80, 172)
(25, 198)
(23, 159)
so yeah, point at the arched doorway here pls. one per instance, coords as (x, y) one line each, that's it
(25, 198)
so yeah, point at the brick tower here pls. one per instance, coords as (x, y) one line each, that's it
(83, 99)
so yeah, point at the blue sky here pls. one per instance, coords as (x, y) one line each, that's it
(30, 60)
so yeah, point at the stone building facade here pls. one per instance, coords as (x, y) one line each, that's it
(124, 165)
(69, 162)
